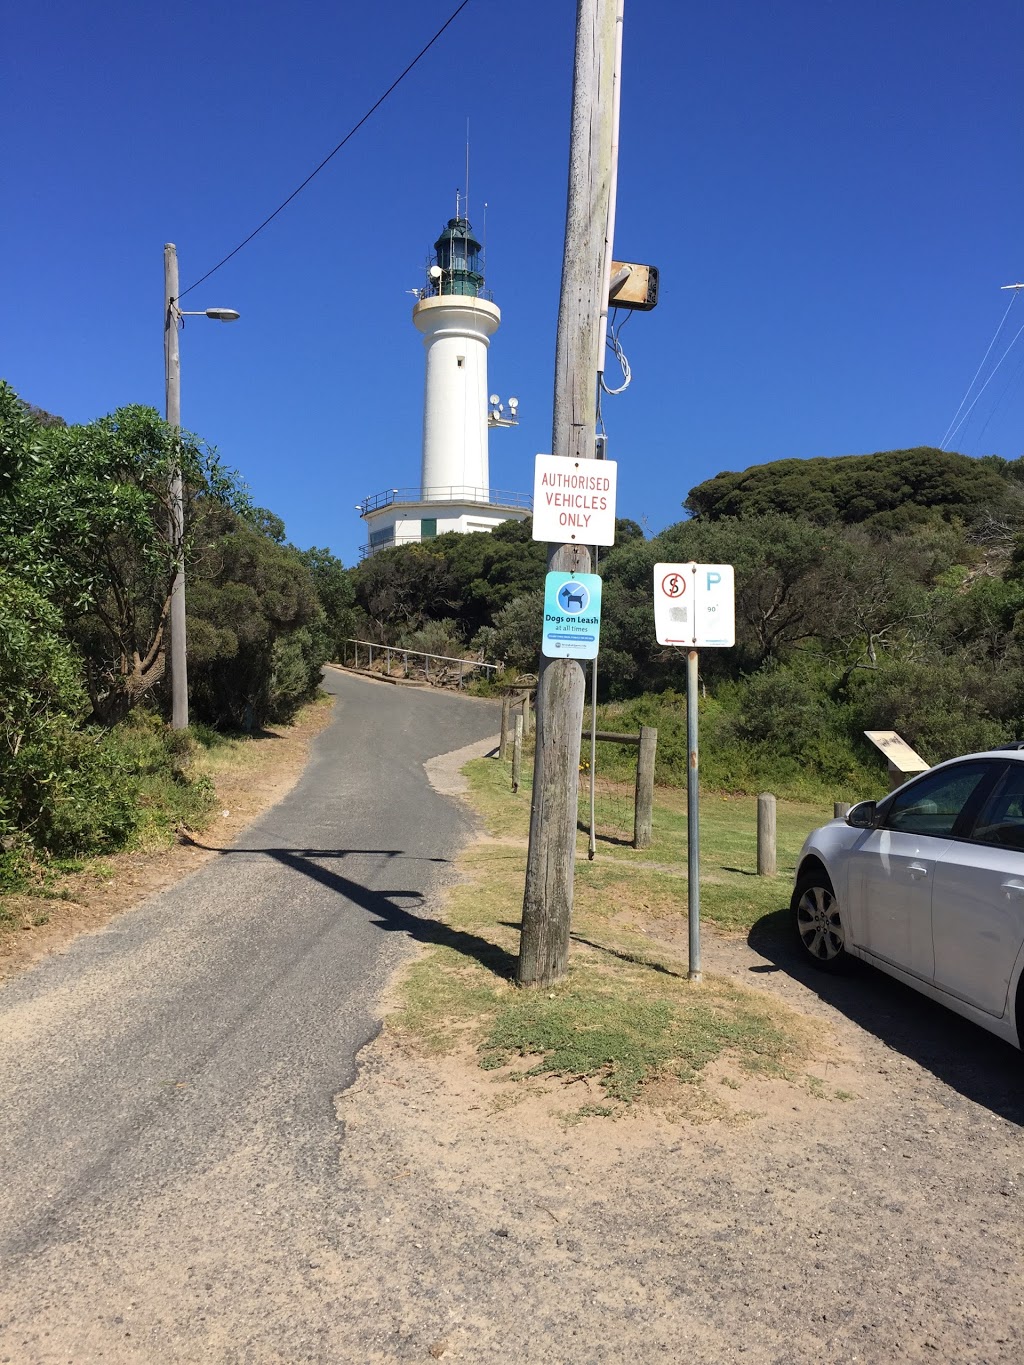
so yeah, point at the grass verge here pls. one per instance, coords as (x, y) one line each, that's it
(625, 1019)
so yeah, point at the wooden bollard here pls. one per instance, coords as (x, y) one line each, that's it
(840, 809)
(517, 754)
(766, 861)
(506, 707)
(643, 817)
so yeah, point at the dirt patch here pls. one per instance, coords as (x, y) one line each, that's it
(868, 1212)
(865, 1209)
(251, 779)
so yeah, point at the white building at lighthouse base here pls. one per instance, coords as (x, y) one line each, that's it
(406, 516)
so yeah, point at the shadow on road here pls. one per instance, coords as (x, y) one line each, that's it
(390, 916)
(978, 1065)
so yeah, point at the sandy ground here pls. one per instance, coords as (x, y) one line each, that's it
(871, 1213)
(794, 1227)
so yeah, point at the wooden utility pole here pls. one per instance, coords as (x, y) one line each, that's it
(172, 393)
(547, 902)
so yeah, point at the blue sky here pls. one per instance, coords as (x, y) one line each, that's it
(833, 193)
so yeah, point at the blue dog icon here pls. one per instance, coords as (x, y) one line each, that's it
(572, 598)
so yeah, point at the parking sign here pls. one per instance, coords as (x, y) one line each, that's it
(694, 605)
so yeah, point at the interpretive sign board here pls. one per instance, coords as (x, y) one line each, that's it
(903, 762)
(572, 616)
(574, 500)
(695, 605)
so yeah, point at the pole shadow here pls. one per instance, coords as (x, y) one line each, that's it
(632, 958)
(620, 841)
(389, 916)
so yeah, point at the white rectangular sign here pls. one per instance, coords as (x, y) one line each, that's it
(695, 605)
(574, 500)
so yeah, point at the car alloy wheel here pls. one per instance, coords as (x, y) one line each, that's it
(816, 915)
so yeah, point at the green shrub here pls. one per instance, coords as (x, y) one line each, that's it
(63, 789)
(157, 762)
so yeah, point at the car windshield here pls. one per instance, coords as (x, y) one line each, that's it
(934, 804)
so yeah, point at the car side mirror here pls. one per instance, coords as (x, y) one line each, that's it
(863, 816)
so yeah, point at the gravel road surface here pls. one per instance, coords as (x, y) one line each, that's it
(168, 1139)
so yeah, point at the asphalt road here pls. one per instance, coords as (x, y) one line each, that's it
(170, 1184)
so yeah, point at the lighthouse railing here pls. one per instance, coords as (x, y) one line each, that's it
(457, 493)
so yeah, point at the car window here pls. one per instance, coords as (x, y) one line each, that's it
(934, 804)
(1001, 820)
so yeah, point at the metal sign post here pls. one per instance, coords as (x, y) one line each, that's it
(692, 818)
(694, 604)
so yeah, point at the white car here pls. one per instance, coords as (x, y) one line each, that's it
(928, 885)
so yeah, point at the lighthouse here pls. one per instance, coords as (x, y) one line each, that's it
(456, 319)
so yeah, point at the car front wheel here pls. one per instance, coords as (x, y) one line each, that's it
(815, 913)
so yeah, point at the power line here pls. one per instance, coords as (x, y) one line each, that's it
(1010, 383)
(952, 429)
(351, 133)
(987, 382)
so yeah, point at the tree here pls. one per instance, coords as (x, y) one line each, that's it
(891, 490)
(777, 561)
(402, 588)
(85, 519)
(21, 443)
(335, 587)
(515, 640)
(61, 788)
(489, 571)
(256, 631)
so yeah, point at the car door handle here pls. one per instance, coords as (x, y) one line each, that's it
(917, 871)
(1013, 888)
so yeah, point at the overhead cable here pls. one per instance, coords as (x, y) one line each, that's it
(987, 382)
(952, 428)
(351, 133)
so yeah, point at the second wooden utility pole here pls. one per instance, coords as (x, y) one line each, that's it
(547, 901)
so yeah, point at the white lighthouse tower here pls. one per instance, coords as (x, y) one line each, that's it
(457, 320)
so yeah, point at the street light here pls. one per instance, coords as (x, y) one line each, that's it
(172, 387)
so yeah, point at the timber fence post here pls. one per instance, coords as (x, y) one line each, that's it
(643, 816)
(766, 860)
(517, 754)
(506, 706)
(840, 808)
